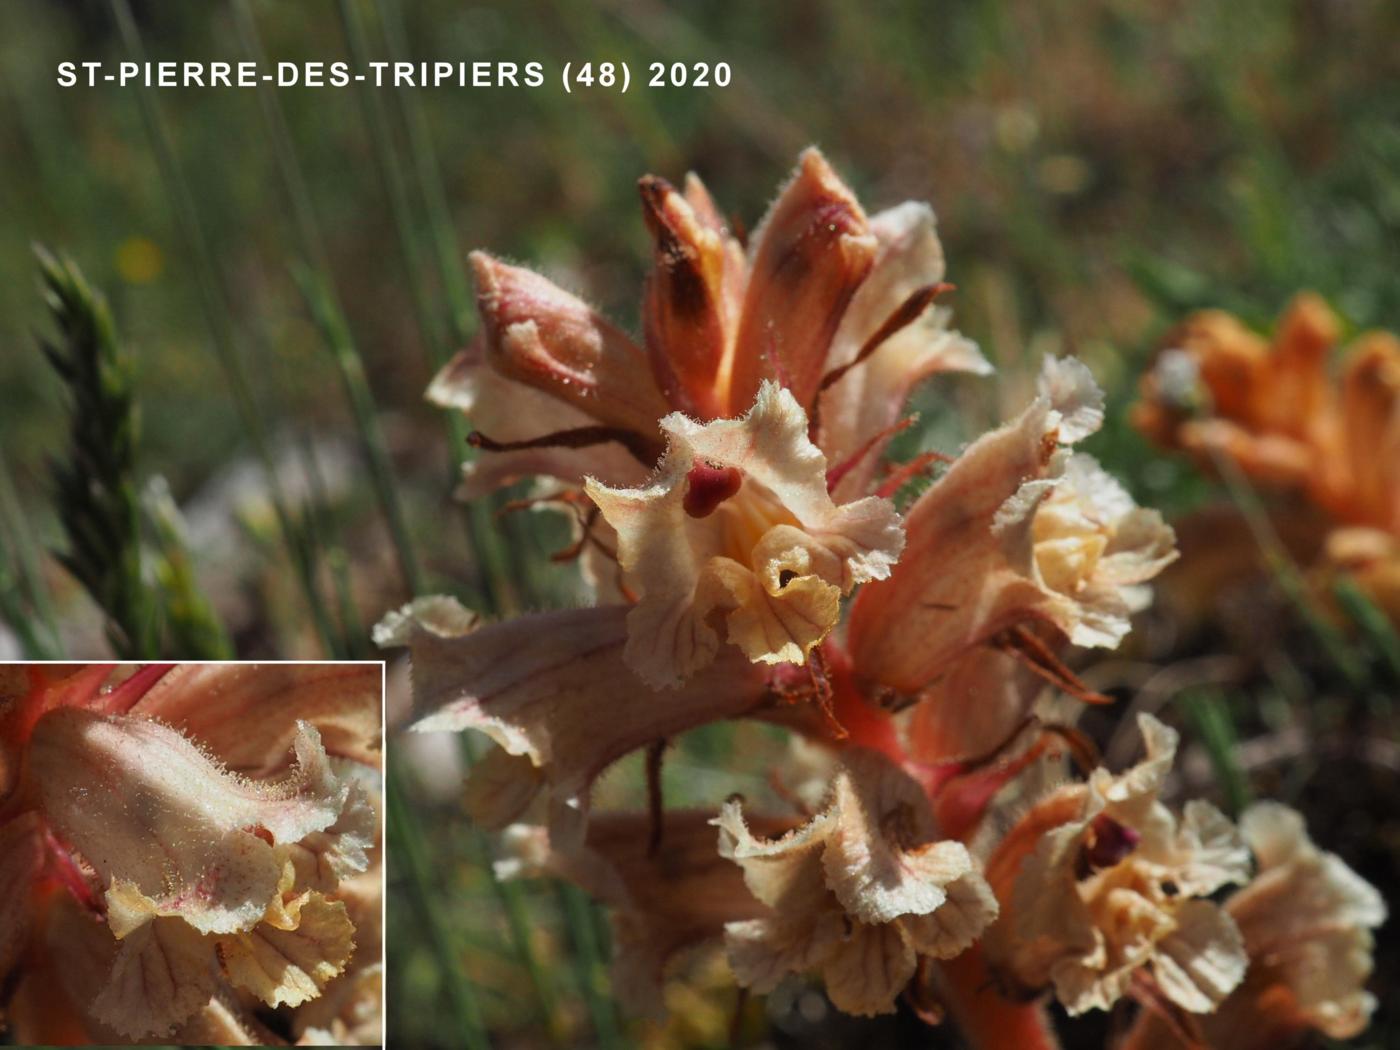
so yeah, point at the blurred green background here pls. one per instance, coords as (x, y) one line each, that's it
(1098, 168)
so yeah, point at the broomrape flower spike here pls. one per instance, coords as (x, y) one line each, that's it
(201, 878)
(735, 486)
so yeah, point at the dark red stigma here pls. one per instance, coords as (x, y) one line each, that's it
(708, 486)
(1112, 842)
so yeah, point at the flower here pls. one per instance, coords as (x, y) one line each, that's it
(1219, 390)
(1306, 919)
(1018, 531)
(1099, 881)
(859, 892)
(738, 521)
(664, 900)
(555, 692)
(155, 876)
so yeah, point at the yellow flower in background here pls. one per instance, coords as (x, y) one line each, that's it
(139, 260)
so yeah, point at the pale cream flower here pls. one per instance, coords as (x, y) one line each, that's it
(858, 893)
(1017, 532)
(738, 523)
(1119, 888)
(1306, 919)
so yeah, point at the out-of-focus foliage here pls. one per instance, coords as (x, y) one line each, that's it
(1098, 168)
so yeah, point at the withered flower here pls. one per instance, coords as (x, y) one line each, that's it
(1100, 884)
(179, 834)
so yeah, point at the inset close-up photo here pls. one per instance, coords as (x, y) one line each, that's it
(191, 853)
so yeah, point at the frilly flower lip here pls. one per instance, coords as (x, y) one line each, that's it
(859, 892)
(1119, 887)
(738, 522)
(199, 875)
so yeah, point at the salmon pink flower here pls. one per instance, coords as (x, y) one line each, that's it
(738, 523)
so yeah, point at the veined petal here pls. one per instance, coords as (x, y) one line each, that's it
(163, 973)
(247, 714)
(959, 581)
(538, 334)
(809, 256)
(1306, 919)
(1017, 530)
(773, 521)
(856, 889)
(784, 872)
(142, 804)
(881, 859)
(762, 952)
(1203, 961)
(870, 970)
(291, 966)
(555, 688)
(958, 922)
(323, 858)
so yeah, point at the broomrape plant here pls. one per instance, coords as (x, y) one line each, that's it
(180, 844)
(726, 479)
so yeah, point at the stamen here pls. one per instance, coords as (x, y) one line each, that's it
(905, 314)
(907, 471)
(707, 486)
(647, 452)
(1041, 659)
(69, 875)
(823, 693)
(1184, 1028)
(921, 993)
(126, 695)
(655, 803)
(836, 473)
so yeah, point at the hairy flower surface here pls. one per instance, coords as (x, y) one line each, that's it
(134, 848)
(1018, 531)
(859, 892)
(1119, 887)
